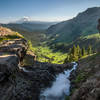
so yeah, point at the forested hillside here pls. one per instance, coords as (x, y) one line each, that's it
(85, 23)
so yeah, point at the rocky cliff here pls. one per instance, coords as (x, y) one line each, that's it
(11, 53)
(23, 83)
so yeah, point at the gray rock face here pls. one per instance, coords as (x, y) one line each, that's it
(11, 53)
(8, 65)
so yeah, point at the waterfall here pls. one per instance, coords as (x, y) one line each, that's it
(24, 69)
(60, 87)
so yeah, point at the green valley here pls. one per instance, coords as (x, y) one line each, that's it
(49, 50)
(52, 43)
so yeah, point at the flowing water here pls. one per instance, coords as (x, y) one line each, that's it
(22, 68)
(60, 87)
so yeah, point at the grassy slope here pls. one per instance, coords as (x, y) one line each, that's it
(84, 23)
(93, 40)
(88, 69)
(7, 34)
(97, 35)
(33, 32)
(83, 41)
(45, 54)
(36, 37)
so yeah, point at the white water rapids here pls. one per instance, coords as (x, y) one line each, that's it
(60, 87)
(22, 68)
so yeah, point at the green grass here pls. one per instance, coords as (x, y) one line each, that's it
(97, 35)
(89, 57)
(10, 37)
(45, 54)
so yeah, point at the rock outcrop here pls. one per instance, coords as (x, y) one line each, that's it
(11, 53)
(16, 46)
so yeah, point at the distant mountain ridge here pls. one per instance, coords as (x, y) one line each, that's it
(62, 33)
(85, 23)
(31, 30)
(29, 25)
(31, 21)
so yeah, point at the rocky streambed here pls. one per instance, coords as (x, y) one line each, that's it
(60, 87)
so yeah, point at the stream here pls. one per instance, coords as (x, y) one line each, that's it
(60, 87)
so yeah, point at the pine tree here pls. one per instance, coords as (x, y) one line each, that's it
(70, 51)
(74, 50)
(67, 59)
(74, 53)
(79, 51)
(95, 50)
(83, 51)
(89, 50)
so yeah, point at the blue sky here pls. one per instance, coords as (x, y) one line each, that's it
(44, 10)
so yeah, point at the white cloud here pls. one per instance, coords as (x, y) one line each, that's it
(26, 18)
